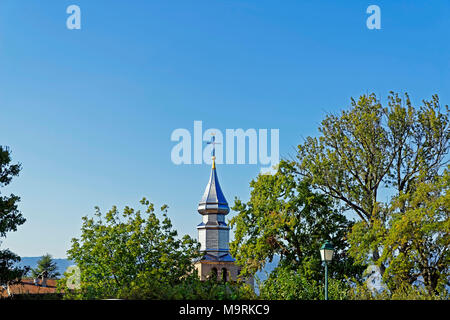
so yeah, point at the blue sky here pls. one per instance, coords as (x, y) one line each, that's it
(89, 112)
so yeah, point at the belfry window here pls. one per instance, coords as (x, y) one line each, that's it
(224, 274)
(213, 274)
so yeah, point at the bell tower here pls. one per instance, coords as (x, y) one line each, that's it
(213, 232)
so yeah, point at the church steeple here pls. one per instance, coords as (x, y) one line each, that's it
(213, 232)
(213, 200)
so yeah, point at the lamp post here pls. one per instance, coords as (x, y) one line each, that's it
(326, 254)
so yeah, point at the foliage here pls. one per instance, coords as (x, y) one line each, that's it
(46, 266)
(417, 242)
(402, 292)
(285, 217)
(118, 258)
(288, 284)
(370, 150)
(192, 288)
(9, 272)
(10, 219)
(137, 256)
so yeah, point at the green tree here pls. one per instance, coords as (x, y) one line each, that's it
(372, 159)
(288, 284)
(192, 288)
(10, 219)
(130, 255)
(404, 291)
(134, 255)
(416, 242)
(285, 217)
(46, 266)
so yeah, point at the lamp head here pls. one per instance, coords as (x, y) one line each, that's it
(326, 252)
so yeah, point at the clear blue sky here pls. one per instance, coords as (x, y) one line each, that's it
(89, 112)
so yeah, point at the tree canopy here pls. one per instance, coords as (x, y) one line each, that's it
(46, 267)
(382, 163)
(10, 219)
(122, 254)
(387, 166)
(285, 217)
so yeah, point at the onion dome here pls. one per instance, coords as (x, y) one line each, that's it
(213, 200)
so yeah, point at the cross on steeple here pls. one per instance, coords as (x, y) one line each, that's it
(213, 142)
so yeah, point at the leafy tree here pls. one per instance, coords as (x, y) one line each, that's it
(46, 266)
(135, 255)
(10, 219)
(369, 153)
(404, 291)
(288, 284)
(285, 217)
(124, 254)
(417, 242)
(192, 288)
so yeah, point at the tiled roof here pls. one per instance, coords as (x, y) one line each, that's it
(27, 286)
(223, 258)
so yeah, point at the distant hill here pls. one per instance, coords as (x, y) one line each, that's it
(62, 264)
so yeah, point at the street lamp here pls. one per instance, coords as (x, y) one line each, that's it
(326, 254)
